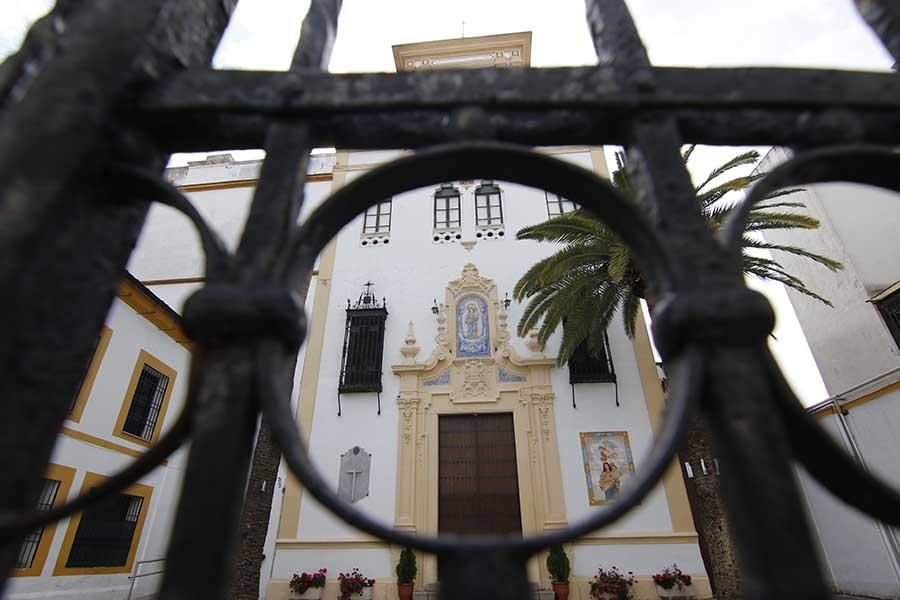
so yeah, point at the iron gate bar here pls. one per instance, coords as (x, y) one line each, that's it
(740, 106)
(105, 79)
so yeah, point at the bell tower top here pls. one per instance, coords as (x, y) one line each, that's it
(503, 50)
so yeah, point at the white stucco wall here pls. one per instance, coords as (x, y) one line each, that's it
(859, 227)
(410, 272)
(131, 334)
(851, 345)
(855, 549)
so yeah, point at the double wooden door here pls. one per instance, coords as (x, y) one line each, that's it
(478, 484)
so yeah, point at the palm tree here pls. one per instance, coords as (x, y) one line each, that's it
(594, 275)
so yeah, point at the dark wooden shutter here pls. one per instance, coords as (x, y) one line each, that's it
(478, 484)
(363, 350)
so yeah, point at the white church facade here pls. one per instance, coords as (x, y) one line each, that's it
(418, 400)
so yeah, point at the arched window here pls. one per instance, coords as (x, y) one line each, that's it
(446, 207)
(488, 207)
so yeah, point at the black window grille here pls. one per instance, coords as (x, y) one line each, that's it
(378, 218)
(488, 206)
(84, 372)
(557, 205)
(889, 308)
(146, 403)
(105, 533)
(446, 207)
(363, 350)
(588, 366)
(28, 549)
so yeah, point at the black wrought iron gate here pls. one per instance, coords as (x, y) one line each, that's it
(103, 90)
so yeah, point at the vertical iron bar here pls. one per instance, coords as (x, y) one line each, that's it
(759, 487)
(222, 445)
(64, 236)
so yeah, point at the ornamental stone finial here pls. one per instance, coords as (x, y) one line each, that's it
(410, 349)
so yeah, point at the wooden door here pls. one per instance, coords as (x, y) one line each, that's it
(478, 485)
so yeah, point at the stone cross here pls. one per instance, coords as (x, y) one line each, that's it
(353, 481)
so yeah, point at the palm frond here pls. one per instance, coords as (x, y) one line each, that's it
(746, 158)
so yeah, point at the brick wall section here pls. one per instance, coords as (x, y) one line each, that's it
(708, 508)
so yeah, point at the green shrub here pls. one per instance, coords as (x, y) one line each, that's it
(558, 564)
(406, 568)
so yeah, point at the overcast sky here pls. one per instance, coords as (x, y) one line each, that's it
(806, 33)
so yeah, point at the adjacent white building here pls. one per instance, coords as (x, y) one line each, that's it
(855, 346)
(132, 391)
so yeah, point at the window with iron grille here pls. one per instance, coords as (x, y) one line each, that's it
(105, 533)
(446, 207)
(146, 403)
(488, 206)
(28, 549)
(587, 366)
(378, 218)
(557, 205)
(363, 350)
(889, 308)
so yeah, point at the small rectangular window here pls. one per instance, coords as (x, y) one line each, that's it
(557, 205)
(29, 548)
(378, 218)
(889, 307)
(105, 533)
(446, 207)
(146, 403)
(488, 205)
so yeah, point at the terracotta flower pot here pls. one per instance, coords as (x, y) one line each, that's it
(405, 590)
(561, 589)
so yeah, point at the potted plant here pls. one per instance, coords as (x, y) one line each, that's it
(672, 583)
(308, 587)
(354, 586)
(559, 568)
(406, 574)
(611, 585)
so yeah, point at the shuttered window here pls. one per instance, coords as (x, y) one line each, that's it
(363, 350)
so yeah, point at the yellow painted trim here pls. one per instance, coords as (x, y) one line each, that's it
(893, 387)
(595, 539)
(88, 382)
(145, 358)
(64, 475)
(288, 544)
(102, 443)
(241, 183)
(289, 521)
(92, 480)
(673, 483)
(147, 308)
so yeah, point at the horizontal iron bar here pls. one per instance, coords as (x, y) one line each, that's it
(534, 106)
